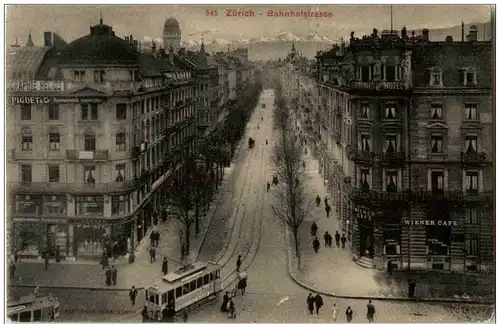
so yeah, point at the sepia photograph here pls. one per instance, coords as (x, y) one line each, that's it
(195, 162)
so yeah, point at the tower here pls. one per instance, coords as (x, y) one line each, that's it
(30, 43)
(172, 34)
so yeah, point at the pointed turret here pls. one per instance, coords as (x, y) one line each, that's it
(16, 44)
(203, 55)
(30, 41)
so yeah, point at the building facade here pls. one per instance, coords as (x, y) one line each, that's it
(421, 129)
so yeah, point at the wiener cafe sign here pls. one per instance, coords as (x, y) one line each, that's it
(430, 222)
(22, 100)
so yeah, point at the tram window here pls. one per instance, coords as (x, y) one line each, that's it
(217, 274)
(37, 315)
(152, 298)
(163, 299)
(185, 289)
(206, 279)
(13, 317)
(157, 301)
(211, 276)
(170, 295)
(25, 317)
(178, 292)
(147, 295)
(193, 285)
(199, 282)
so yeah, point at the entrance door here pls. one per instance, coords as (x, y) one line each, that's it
(365, 238)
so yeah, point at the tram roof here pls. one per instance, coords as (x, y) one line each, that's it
(183, 274)
(31, 301)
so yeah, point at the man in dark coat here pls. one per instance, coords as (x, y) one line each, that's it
(145, 316)
(343, 239)
(242, 285)
(164, 266)
(132, 294)
(225, 300)
(337, 238)
(152, 254)
(108, 276)
(157, 238)
(330, 239)
(318, 201)
(316, 245)
(326, 200)
(314, 229)
(411, 288)
(310, 303)
(326, 237)
(238, 263)
(114, 275)
(327, 210)
(348, 314)
(152, 238)
(370, 311)
(318, 302)
(268, 186)
(12, 270)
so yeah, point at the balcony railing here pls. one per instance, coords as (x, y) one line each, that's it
(422, 196)
(64, 188)
(97, 155)
(379, 196)
(393, 157)
(473, 158)
(364, 156)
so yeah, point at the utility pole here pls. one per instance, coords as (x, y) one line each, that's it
(391, 18)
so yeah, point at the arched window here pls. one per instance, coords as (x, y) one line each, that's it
(90, 140)
(54, 139)
(26, 139)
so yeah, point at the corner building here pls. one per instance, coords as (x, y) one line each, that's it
(96, 130)
(420, 194)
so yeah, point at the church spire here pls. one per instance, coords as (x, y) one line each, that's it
(202, 49)
(100, 20)
(203, 55)
(30, 41)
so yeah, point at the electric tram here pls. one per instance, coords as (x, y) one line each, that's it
(33, 309)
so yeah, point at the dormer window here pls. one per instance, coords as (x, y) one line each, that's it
(79, 76)
(436, 111)
(436, 77)
(469, 76)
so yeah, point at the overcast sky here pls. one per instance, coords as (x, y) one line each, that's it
(142, 21)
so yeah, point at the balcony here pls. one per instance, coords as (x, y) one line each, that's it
(361, 195)
(70, 188)
(378, 85)
(473, 158)
(436, 196)
(361, 156)
(393, 158)
(136, 151)
(97, 155)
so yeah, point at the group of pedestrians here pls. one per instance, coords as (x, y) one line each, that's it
(228, 306)
(339, 239)
(314, 303)
(111, 275)
(154, 238)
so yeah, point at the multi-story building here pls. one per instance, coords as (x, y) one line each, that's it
(95, 130)
(420, 114)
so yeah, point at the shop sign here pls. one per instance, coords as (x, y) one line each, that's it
(55, 199)
(430, 222)
(16, 100)
(378, 85)
(36, 86)
(40, 220)
(89, 199)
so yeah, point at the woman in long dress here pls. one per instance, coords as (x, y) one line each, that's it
(335, 312)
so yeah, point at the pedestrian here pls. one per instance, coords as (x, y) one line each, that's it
(12, 270)
(58, 254)
(316, 245)
(343, 239)
(348, 314)
(185, 315)
(108, 275)
(242, 285)
(411, 288)
(310, 303)
(266, 141)
(104, 261)
(164, 266)
(114, 275)
(238, 263)
(152, 238)
(330, 240)
(157, 238)
(318, 201)
(152, 254)
(46, 260)
(225, 301)
(232, 309)
(337, 238)
(327, 210)
(318, 302)
(389, 267)
(144, 313)
(314, 229)
(268, 186)
(132, 295)
(326, 200)
(370, 311)
(326, 237)
(335, 312)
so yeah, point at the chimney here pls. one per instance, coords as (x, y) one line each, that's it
(131, 39)
(171, 55)
(135, 44)
(463, 31)
(473, 33)
(449, 39)
(425, 34)
(47, 39)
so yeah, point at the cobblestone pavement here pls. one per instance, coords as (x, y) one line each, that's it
(348, 279)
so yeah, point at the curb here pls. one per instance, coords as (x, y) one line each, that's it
(382, 298)
(74, 287)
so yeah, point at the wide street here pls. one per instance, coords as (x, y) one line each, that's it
(272, 296)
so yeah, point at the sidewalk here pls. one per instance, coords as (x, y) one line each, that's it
(333, 272)
(85, 275)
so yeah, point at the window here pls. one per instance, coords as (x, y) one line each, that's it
(53, 173)
(53, 112)
(170, 295)
(25, 112)
(178, 292)
(437, 180)
(390, 73)
(199, 282)
(89, 111)
(89, 142)
(471, 216)
(436, 111)
(89, 174)
(365, 110)
(25, 316)
(121, 111)
(364, 179)
(390, 143)
(471, 244)
(390, 111)
(365, 73)
(120, 172)
(25, 173)
(365, 142)
(437, 143)
(469, 77)
(119, 204)
(470, 111)
(471, 181)
(79, 76)
(99, 75)
(26, 139)
(206, 279)
(120, 142)
(438, 239)
(391, 181)
(37, 315)
(436, 78)
(54, 141)
(471, 144)
(185, 289)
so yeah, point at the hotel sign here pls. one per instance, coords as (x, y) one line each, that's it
(430, 222)
(36, 85)
(378, 85)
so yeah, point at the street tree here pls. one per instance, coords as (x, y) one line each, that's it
(292, 205)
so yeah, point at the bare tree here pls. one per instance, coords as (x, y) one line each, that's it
(291, 200)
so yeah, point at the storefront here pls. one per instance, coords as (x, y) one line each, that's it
(364, 231)
(91, 238)
(89, 206)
